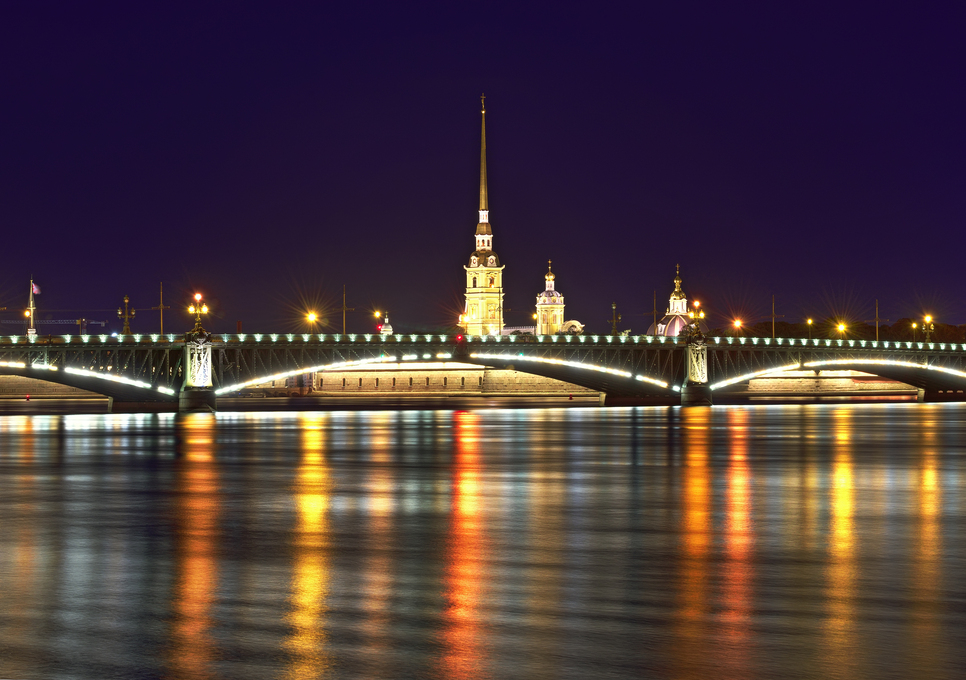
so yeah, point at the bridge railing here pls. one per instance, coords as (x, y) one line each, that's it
(400, 338)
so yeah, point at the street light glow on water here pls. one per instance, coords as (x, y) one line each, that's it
(805, 541)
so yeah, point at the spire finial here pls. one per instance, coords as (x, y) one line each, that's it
(483, 103)
(549, 262)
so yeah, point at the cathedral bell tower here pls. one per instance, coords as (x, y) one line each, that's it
(483, 312)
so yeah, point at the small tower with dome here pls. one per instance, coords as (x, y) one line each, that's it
(678, 315)
(550, 307)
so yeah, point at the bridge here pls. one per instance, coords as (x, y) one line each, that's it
(156, 370)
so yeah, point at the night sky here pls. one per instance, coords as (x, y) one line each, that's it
(267, 154)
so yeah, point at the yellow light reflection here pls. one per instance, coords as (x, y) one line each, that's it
(736, 596)
(840, 624)
(197, 511)
(463, 655)
(310, 571)
(927, 576)
(693, 589)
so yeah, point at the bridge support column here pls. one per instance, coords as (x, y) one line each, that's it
(696, 394)
(197, 393)
(924, 396)
(696, 391)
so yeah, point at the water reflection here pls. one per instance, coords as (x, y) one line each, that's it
(739, 572)
(310, 571)
(928, 646)
(840, 624)
(464, 580)
(197, 511)
(819, 541)
(692, 615)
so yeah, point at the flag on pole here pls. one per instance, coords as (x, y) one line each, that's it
(35, 288)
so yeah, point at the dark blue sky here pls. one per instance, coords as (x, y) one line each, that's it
(267, 154)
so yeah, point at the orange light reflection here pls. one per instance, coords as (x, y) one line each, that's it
(463, 656)
(197, 511)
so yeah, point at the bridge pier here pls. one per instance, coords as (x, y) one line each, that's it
(197, 393)
(696, 394)
(190, 400)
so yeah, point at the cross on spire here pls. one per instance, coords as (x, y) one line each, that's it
(483, 102)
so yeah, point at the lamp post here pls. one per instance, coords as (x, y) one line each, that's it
(914, 327)
(841, 329)
(928, 327)
(615, 318)
(737, 326)
(198, 308)
(809, 322)
(126, 316)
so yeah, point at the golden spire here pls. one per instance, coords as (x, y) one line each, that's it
(483, 198)
(549, 276)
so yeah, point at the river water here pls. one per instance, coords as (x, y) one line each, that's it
(803, 541)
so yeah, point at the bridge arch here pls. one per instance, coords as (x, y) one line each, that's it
(928, 377)
(106, 384)
(599, 378)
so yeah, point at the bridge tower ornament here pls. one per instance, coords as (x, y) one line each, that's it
(197, 393)
(696, 390)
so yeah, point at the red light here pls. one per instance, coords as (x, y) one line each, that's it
(458, 338)
(379, 327)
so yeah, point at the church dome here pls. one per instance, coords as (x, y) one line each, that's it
(549, 297)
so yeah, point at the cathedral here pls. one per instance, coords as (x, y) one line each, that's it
(483, 311)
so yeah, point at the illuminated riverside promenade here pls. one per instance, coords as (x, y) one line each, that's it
(152, 369)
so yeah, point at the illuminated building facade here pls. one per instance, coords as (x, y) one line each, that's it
(483, 312)
(550, 307)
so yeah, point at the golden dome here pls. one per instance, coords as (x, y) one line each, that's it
(678, 294)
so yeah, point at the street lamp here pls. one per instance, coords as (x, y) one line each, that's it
(198, 308)
(737, 325)
(928, 327)
(809, 322)
(914, 327)
(841, 329)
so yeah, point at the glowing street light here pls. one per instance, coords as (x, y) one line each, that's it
(841, 329)
(809, 322)
(928, 327)
(311, 317)
(198, 308)
(914, 327)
